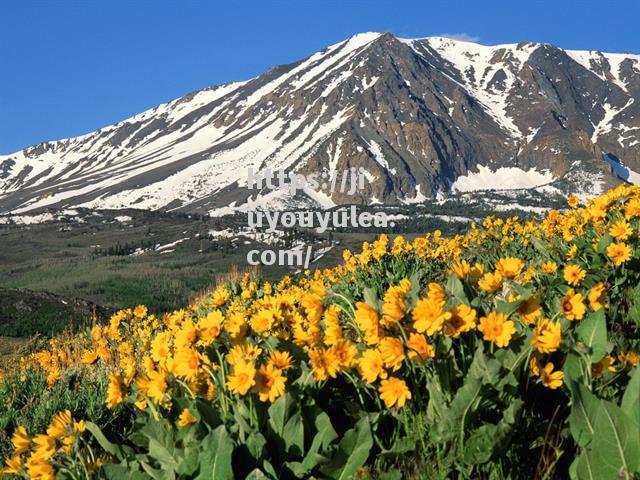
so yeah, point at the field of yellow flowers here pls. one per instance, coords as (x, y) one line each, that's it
(508, 352)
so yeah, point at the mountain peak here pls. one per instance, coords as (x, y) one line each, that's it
(415, 114)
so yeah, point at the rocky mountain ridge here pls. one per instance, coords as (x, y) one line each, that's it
(422, 117)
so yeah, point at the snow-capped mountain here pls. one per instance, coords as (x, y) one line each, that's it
(422, 117)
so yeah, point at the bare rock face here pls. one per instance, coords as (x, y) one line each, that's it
(415, 115)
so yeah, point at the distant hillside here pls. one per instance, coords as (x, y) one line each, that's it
(25, 312)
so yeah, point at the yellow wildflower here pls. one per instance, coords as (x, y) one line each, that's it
(496, 328)
(551, 379)
(371, 365)
(574, 275)
(547, 336)
(573, 306)
(394, 391)
(269, 383)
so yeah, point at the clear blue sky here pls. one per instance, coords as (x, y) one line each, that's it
(69, 67)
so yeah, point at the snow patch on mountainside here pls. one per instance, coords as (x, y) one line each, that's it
(597, 62)
(278, 199)
(419, 198)
(505, 178)
(376, 151)
(479, 65)
(606, 124)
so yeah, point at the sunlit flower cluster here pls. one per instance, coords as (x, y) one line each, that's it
(381, 320)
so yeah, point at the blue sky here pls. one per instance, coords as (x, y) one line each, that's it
(68, 67)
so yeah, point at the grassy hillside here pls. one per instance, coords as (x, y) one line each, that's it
(95, 256)
(24, 313)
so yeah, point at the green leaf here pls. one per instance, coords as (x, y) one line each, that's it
(188, 460)
(165, 455)
(400, 446)
(118, 472)
(285, 420)
(268, 469)
(592, 331)
(353, 452)
(631, 399)
(279, 413)
(584, 467)
(155, 473)
(540, 246)
(242, 416)
(488, 440)
(455, 418)
(255, 445)
(157, 429)
(574, 368)
(508, 308)
(257, 474)
(321, 441)
(107, 446)
(604, 242)
(371, 298)
(215, 455)
(209, 415)
(584, 410)
(616, 444)
(294, 435)
(455, 288)
(297, 469)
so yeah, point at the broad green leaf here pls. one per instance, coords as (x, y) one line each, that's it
(165, 455)
(107, 446)
(631, 400)
(574, 368)
(584, 467)
(118, 472)
(268, 469)
(604, 242)
(634, 307)
(156, 429)
(616, 444)
(478, 448)
(215, 455)
(155, 473)
(456, 417)
(370, 298)
(242, 417)
(209, 415)
(285, 420)
(490, 439)
(188, 460)
(573, 469)
(400, 446)
(353, 452)
(326, 434)
(256, 474)
(294, 435)
(508, 308)
(437, 405)
(540, 246)
(255, 445)
(592, 331)
(279, 412)
(455, 288)
(584, 410)
(297, 469)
